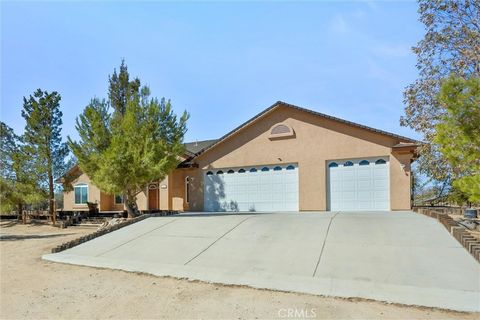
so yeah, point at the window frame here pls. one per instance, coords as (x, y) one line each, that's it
(115, 198)
(80, 186)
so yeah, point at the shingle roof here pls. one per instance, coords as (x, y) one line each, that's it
(197, 146)
(281, 103)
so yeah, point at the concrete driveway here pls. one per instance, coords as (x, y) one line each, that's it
(398, 257)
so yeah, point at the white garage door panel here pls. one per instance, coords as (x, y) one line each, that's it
(252, 190)
(358, 187)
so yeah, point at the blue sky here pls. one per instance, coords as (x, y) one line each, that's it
(222, 62)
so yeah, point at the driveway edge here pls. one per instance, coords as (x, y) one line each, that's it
(469, 242)
(104, 231)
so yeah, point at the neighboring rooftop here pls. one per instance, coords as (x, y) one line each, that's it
(197, 146)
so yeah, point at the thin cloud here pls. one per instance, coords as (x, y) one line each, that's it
(391, 51)
(338, 25)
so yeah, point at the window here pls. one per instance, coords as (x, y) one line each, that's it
(81, 193)
(380, 161)
(118, 199)
(277, 168)
(209, 173)
(230, 171)
(333, 165)
(290, 167)
(364, 163)
(265, 169)
(241, 171)
(253, 170)
(219, 172)
(348, 164)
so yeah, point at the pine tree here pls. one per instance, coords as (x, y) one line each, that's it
(44, 141)
(18, 180)
(128, 141)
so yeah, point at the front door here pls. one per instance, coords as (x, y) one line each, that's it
(153, 197)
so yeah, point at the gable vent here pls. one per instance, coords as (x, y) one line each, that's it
(279, 129)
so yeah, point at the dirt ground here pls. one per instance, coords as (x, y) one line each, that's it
(35, 289)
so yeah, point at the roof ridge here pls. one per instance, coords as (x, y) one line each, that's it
(348, 122)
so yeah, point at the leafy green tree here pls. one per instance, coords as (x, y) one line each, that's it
(128, 141)
(458, 133)
(450, 46)
(43, 139)
(18, 180)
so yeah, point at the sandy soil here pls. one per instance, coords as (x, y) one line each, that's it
(35, 289)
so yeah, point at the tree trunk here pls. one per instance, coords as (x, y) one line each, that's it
(131, 205)
(51, 198)
(20, 213)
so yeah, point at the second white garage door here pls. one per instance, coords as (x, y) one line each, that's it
(259, 188)
(359, 184)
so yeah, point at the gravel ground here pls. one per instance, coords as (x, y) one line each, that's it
(35, 289)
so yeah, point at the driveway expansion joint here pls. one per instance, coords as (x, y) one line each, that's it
(324, 242)
(135, 238)
(209, 246)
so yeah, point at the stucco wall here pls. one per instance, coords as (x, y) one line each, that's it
(316, 141)
(177, 190)
(142, 201)
(69, 197)
(106, 201)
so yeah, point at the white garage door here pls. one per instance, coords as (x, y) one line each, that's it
(359, 185)
(260, 188)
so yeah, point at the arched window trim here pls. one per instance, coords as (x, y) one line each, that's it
(219, 172)
(264, 169)
(277, 168)
(290, 167)
(253, 170)
(348, 164)
(380, 161)
(241, 171)
(284, 129)
(364, 163)
(230, 171)
(333, 165)
(209, 173)
(80, 193)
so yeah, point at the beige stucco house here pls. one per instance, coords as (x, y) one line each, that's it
(286, 158)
